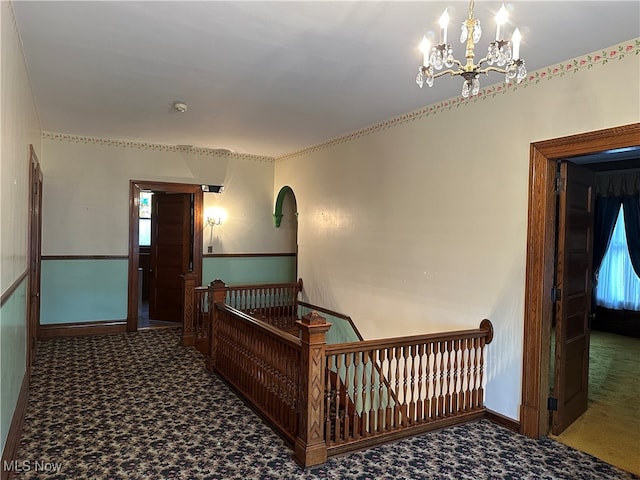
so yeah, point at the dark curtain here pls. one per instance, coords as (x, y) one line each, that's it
(606, 213)
(632, 223)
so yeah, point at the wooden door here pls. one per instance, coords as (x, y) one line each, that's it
(35, 243)
(573, 297)
(170, 254)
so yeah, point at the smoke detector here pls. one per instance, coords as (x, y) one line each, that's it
(180, 107)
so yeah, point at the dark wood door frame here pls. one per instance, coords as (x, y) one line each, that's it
(35, 254)
(135, 186)
(540, 266)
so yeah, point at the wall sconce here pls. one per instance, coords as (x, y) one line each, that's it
(212, 222)
(214, 217)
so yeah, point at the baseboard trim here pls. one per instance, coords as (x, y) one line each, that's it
(15, 429)
(500, 419)
(56, 330)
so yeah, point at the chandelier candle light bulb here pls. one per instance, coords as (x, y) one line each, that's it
(515, 40)
(503, 56)
(501, 19)
(425, 47)
(444, 23)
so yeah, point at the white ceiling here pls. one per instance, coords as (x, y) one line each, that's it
(269, 78)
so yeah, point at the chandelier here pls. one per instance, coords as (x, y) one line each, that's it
(503, 56)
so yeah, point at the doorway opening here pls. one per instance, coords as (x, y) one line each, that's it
(604, 421)
(193, 237)
(540, 264)
(285, 216)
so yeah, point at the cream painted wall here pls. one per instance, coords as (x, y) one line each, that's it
(419, 224)
(19, 127)
(86, 194)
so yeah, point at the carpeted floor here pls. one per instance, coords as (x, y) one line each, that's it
(140, 406)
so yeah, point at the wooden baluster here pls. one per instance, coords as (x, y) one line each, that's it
(348, 394)
(411, 404)
(474, 392)
(310, 447)
(188, 287)
(481, 342)
(447, 379)
(384, 418)
(276, 302)
(400, 351)
(293, 390)
(364, 415)
(454, 375)
(340, 419)
(361, 390)
(437, 384)
(373, 407)
(356, 420)
(461, 346)
(421, 384)
(232, 299)
(467, 374)
(328, 396)
(397, 409)
(201, 328)
(431, 384)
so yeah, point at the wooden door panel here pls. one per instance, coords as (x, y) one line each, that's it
(171, 234)
(573, 307)
(168, 276)
(170, 254)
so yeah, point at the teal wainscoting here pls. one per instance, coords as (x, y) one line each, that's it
(249, 269)
(83, 290)
(13, 354)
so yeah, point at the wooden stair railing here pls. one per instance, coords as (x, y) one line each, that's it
(280, 376)
(274, 303)
(403, 386)
(329, 399)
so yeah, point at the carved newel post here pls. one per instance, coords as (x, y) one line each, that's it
(188, 292)
(310, 447)
(217, 293)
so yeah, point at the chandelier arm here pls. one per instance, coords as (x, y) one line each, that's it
(493, 69)
(450, 71)
(482, 60)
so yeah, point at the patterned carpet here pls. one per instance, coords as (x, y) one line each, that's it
(140, 406)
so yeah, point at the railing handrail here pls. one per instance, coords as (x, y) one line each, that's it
(263, 286)
(259, 324)
(333, 314)
(351, 347)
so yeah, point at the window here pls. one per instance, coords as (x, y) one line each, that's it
(144, 216)
(618, 285)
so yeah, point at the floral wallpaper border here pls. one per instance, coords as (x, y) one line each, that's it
(109, 142)
(616, 52)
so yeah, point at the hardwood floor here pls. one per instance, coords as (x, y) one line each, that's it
(145, 323)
